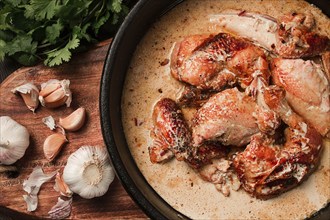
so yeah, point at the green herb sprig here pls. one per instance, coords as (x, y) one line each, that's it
(51, 30)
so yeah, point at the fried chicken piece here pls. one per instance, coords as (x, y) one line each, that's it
(227, 117)
(266, 169)
(307, 90)
(291, 36)
(216, 62)
(295, 37)
(260, 28)
(205, 154)
(326, 63)
(170, 134)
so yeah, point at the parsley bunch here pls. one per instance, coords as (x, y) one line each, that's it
(50, 30)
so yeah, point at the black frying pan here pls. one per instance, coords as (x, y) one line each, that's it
(123, 46)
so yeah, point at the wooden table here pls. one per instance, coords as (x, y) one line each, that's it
(84, 71)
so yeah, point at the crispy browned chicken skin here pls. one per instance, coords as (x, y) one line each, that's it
(267, 169)
(216, 61)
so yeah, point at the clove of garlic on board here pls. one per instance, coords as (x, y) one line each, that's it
(29, 93)
(88, 171)
(14, 140)
(61, 186)
(74, 121)
(53, 144)
(55, 93)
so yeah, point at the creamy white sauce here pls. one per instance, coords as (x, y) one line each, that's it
(147, 81)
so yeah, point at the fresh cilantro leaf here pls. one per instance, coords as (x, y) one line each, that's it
(54, 31)
(51, 30)
(2, 49)
(74, 11)
(21, 43)
(20, 22)
(115, 19)
(41, 9)
(26, 59)
(82, 32)
(64, 54)
(115, 5)
(6, 35)
(101, 21)
(14, 2)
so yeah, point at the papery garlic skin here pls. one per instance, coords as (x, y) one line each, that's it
(14, 140)
(30, 94)
(32, 186)
(49, 121)
(61, 210)
(88, 172)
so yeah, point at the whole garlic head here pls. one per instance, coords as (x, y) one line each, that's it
(14, 140)
(88, 172)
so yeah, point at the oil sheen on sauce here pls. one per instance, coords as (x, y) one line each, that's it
(148, 79)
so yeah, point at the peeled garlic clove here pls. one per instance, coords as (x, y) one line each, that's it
(61, 186)
(55, 93)
(88, 171)
(29, 93)
(53, 144)
(74, 121)
(14, 140)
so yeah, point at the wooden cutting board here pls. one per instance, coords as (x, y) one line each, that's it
(84, 72)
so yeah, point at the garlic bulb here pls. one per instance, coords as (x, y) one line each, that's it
(14, 140)
(88, 172)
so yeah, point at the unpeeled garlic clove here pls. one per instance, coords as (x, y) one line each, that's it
(53, 144)
(61, 186)
(74, 121)
(55, 93)
(29, 93)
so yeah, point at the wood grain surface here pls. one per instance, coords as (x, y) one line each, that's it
(84, 72)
